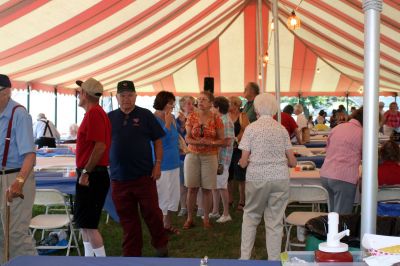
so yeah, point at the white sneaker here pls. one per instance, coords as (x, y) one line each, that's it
(214, 215)
(200, 212)
(182, 212)
(224, 219)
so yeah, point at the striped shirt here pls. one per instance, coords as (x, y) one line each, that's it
(343, 152)
(225, 153)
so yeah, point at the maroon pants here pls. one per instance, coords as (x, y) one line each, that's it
(128, 196)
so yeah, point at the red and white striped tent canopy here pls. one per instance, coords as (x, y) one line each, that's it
(173, 45)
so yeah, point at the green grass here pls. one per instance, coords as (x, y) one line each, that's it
(221, 241)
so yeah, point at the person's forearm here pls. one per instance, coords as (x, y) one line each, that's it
(158, 150)
(27, 165)
(95, 157)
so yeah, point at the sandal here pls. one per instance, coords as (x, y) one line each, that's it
(240, 206)
(172, 230)
(188, 224)
(206, 224)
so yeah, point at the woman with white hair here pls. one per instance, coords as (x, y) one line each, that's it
(301, 119)
(302, 123)
(267, 177)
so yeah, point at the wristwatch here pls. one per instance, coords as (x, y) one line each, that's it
(84, 171)
(20, 179)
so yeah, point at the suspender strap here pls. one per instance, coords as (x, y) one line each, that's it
(45, 129)
(8, 137)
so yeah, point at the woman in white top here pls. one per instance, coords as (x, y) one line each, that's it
(267, 177)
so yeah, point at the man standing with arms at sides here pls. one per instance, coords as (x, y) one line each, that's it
(16, 173)
(250, 92)
(133, 172)
(92, 148)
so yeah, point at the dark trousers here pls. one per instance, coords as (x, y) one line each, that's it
(128, 196)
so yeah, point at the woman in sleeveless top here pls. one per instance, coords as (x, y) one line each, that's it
(239, 174)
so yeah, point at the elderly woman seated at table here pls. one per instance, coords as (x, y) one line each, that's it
(389, 169)
(267, 176)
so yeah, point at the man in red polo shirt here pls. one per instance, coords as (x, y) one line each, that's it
(92, 149)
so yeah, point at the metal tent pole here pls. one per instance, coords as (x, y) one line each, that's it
(55, 105)
(76, 107)
(372, 9)
(28, 98)
(276, 54)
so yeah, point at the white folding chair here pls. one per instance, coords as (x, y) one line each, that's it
(62, 220)
(388, 193)
(305, 194)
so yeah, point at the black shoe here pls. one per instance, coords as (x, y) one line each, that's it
(162, 252)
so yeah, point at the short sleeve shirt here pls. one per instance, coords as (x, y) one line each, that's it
(131, 151)
(249, 110)
(301, 121)
(392, 120)
(209, 132)
(225, 153)
(267, 142)
(22, 141)
(95, 127)
(289, 123)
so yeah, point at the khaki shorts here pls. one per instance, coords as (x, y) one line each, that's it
(201, 171)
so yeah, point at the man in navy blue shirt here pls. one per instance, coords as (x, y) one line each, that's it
(133, 173)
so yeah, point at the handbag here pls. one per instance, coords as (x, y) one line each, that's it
(305, 134)
(220, 169)
(183, 148)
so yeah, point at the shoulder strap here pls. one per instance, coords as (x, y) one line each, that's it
(241, 119)
(8, 137)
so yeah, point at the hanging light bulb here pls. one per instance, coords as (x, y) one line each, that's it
(265, 58)
(271, 25)
(259, 76)
(360, 90)
(293, 21)
(318, 70)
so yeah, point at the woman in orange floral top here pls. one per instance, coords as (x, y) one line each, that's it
(204, 134)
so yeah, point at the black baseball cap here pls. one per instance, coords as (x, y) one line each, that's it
(125, 85)
(4, 82)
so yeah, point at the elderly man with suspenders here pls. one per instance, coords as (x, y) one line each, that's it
(17, 185)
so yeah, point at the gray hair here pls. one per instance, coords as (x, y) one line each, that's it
(41, 116)
(184, 99)
(299, 107)
(265, 104)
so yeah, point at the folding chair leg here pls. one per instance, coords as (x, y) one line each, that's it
(287, 246)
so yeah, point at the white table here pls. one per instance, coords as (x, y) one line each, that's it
(54, 162)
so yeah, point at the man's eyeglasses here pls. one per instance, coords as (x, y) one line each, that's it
(126, 119)
(201, 130)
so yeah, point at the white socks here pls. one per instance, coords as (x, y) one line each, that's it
(88, 249)
(91, 252)
(100, 252)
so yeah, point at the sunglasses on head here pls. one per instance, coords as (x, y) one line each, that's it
(126, 118)
(201, 130)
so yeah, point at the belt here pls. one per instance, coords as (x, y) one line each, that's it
(97, 169)
(10, 171)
